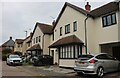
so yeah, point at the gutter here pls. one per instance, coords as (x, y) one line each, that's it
(43, 41)
(85, 23)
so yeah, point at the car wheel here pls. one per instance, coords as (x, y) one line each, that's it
(100, 72)
(119, 67)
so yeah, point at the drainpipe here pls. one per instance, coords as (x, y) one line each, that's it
(85, 22)
(43, 42)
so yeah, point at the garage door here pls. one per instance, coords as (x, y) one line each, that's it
(116, 52)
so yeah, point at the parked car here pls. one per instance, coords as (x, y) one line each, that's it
(14, 59)
(42, 60)
(96, 64)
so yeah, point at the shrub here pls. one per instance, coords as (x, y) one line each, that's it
(5, 52)
(4, 57)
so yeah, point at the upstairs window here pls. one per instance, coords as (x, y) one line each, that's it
(53, 36)
(75, 26)
(60, 31)
(67, 29)
(39, 38)
(109, 20)
(36, 39)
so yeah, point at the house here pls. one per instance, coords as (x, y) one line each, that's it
(41, 39)
(78, 31)
(8, 44)
(21, 45)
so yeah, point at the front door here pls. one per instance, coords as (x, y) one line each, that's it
(52, 53)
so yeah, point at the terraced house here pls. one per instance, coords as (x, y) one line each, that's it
(78, 31)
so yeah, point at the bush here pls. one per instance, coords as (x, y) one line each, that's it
(5, 52)
(4, 57)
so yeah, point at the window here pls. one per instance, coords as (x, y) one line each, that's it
(28, 44)
(36, 39)
(67, 29)
(102, 56)
(75, 26)
(69, 52)
(60, 31)
(53, 36)
(39, 38)
(109, 20)
(21, 45)
(105, 57)
(18, 45)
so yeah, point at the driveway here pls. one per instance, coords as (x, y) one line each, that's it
(29, 71)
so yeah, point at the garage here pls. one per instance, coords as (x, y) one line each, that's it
(112, 49)
(116, 52)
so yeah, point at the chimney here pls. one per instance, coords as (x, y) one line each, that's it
(88, 7)
(31, 34)
(53, 23)
(10, 38)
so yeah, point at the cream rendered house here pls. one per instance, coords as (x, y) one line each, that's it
(78, 31)
(40, 39)
(21, 45)
(18, 45)
(27, 44)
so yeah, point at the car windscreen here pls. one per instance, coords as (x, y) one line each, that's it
(14, 56)
(85, 57)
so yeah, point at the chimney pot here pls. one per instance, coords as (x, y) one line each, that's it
(88, 7)
(10, 38)
(53, 23)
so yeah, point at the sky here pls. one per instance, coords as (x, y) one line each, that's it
(18, 16)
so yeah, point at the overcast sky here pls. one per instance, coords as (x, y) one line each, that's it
(17, 17)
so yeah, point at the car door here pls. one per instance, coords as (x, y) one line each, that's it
(104, 62)
(114, 63)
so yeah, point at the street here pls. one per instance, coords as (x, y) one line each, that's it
(31, 71)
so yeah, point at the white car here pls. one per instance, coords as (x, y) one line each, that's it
(13, 59)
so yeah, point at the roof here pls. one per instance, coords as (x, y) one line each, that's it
(72, 6)
(26, 38)
(45, 28)
(35, 47)
(110, 7)
(66, 40)
(19, 41)
(9, 43)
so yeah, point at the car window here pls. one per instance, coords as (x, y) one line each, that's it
(110, 57)
(85, 57)
(102, 56)
(14, 56)
(105, 57)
